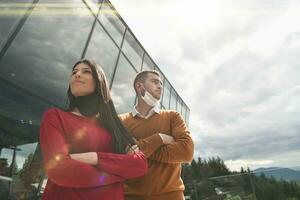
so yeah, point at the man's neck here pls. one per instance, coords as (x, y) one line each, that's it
(142, 107)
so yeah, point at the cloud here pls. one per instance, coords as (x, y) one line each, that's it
(250, 105)
(236, 65)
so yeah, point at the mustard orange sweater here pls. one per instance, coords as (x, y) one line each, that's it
(164, 161)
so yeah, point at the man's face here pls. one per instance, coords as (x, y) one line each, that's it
(153, 85)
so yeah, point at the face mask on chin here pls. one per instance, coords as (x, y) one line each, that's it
(149, 99)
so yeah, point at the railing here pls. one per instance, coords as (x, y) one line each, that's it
(248, 185)
(231, 187)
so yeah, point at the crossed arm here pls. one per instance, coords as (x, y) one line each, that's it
(130, 165)
(65, 170)
(177, 148)
(91, 158)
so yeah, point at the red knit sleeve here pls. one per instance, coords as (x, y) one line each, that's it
(61, 169)
(124, 165)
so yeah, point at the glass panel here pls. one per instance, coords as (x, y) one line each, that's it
(10, 13)
(103, 51)
(41, 56)
(179, 105)
(161, 106)
(21, 167)
(187, 117)
(133, 50)
(109, 18)
(94, 5)
(96, 1)
(183, 111)
(162, 77)
(147, 63)
(173, 100)
(66, 8)
(123, 93)
(60, 3)
(166, 94)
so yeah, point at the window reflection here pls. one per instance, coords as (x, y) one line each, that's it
(43, 52)
(183, 111)
(96, 1)
(123, 93)
(187, 117)
(166, 94)
(34, 73)
(133, 50)
(162, 77)
(161, 106)
(148, 64)
(11, 11)
(93, 5)
(173, 100)
(20, 159)
(110, 20)
(27, 172)
(179, 105)
(103, 51)
(65, 2)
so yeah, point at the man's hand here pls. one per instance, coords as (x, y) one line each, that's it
(88, 158)
(167, 139)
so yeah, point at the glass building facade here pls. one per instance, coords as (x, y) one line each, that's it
(40, 40)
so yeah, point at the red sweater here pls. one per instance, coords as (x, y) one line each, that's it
(63, 133)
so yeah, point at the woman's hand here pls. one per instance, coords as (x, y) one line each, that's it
(132, 149)
(90, 158)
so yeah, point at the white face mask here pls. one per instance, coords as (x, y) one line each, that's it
(150, 100)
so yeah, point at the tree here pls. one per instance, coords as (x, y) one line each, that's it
(202, 176)
(4, 168)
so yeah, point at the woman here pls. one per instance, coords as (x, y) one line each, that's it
(87, 151)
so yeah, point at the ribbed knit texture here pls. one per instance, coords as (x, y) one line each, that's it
(164, 161)
(63, 133)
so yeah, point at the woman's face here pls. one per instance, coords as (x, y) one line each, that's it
(82, 82)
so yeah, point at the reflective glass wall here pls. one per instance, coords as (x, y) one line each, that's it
(40, 40)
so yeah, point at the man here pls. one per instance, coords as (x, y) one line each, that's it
(163, 137)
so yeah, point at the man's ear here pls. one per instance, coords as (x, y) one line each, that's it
(139, 87)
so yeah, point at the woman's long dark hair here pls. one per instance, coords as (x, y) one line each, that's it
(108, 117)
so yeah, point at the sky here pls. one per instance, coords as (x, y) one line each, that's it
(236, 64)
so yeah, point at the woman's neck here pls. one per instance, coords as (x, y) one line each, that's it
(77, 112)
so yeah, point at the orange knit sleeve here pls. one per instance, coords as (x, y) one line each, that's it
(150, 144)
(183, 148)
(147, 145)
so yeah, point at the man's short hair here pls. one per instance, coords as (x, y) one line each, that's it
(141, 76)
